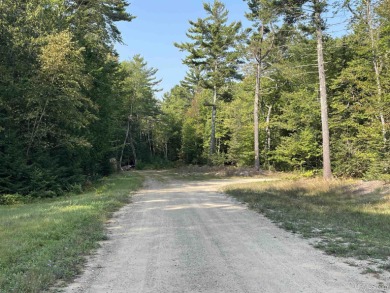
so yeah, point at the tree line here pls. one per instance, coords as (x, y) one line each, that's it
(291, 93)
(65, 98)
(284, 94)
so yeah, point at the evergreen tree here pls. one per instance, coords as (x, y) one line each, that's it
(169, 132)
(212, 51)
(361, 96)
(139, 109)
(310, 13)
(369, 24)
(263, 16)
(58, 80)
(239, 122)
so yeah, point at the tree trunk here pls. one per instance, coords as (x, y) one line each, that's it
(324, 103)
(377, 67)
(166, 150)
(268, 133)
(150, 144)
(133, 149)
(124, 143)
(37, 123)
(379, 92)
(213, 119)
(256, 116)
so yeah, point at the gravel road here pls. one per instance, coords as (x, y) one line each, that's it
(183, 236)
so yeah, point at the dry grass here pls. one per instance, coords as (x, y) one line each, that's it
(347, 218)
(206, 172)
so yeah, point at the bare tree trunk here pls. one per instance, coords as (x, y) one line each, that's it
(256, 116)
(379, 91)
(36, 127)
(133, 148)
(125, 141)
(213, 119)
(324, 103)
(150, 144)
(166, 151)
(268, 133)
(268, 129)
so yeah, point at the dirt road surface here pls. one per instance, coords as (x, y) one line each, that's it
(183, 236)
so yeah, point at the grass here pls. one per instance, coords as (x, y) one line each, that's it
(44, 242)
(344, 218)
(200, 173)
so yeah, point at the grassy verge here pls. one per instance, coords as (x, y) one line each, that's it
(44, 242)
(344, 218)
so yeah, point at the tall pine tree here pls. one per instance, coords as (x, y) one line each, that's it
(212, 49)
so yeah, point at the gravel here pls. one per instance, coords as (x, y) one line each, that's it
(186, 236)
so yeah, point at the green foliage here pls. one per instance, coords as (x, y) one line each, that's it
(12, 199)
(169, 133)
(157, 164)
(218, 159)
(239, 120)
(212, 47)
(291, 140)
(193, 132)
(213, 57)
(297, 152)
(54, 99)
(58, 86)
(139, 113)
(70, 111)
(360, 104)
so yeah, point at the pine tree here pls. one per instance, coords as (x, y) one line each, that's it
(312, 12)
(263, 16)
(139, 108)
(57, 91)
(212, 50)
(368, 23)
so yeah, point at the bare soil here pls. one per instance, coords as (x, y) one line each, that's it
(186, 236)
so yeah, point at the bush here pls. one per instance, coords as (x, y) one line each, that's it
(12, 199)
(218, 159)
(156, 164)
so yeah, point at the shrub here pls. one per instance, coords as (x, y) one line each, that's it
(12, 199)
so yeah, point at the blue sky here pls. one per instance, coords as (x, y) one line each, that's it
(158, 25)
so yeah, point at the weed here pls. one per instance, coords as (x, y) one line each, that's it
(371, 271)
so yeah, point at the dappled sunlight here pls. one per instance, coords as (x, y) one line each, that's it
(114, 228)
(74, 208)
(384, 212)
(203, 206)
(202, 186)
(153, 201)
(378, 209)
(141, 231)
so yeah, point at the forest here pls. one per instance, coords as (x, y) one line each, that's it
(288, 93)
